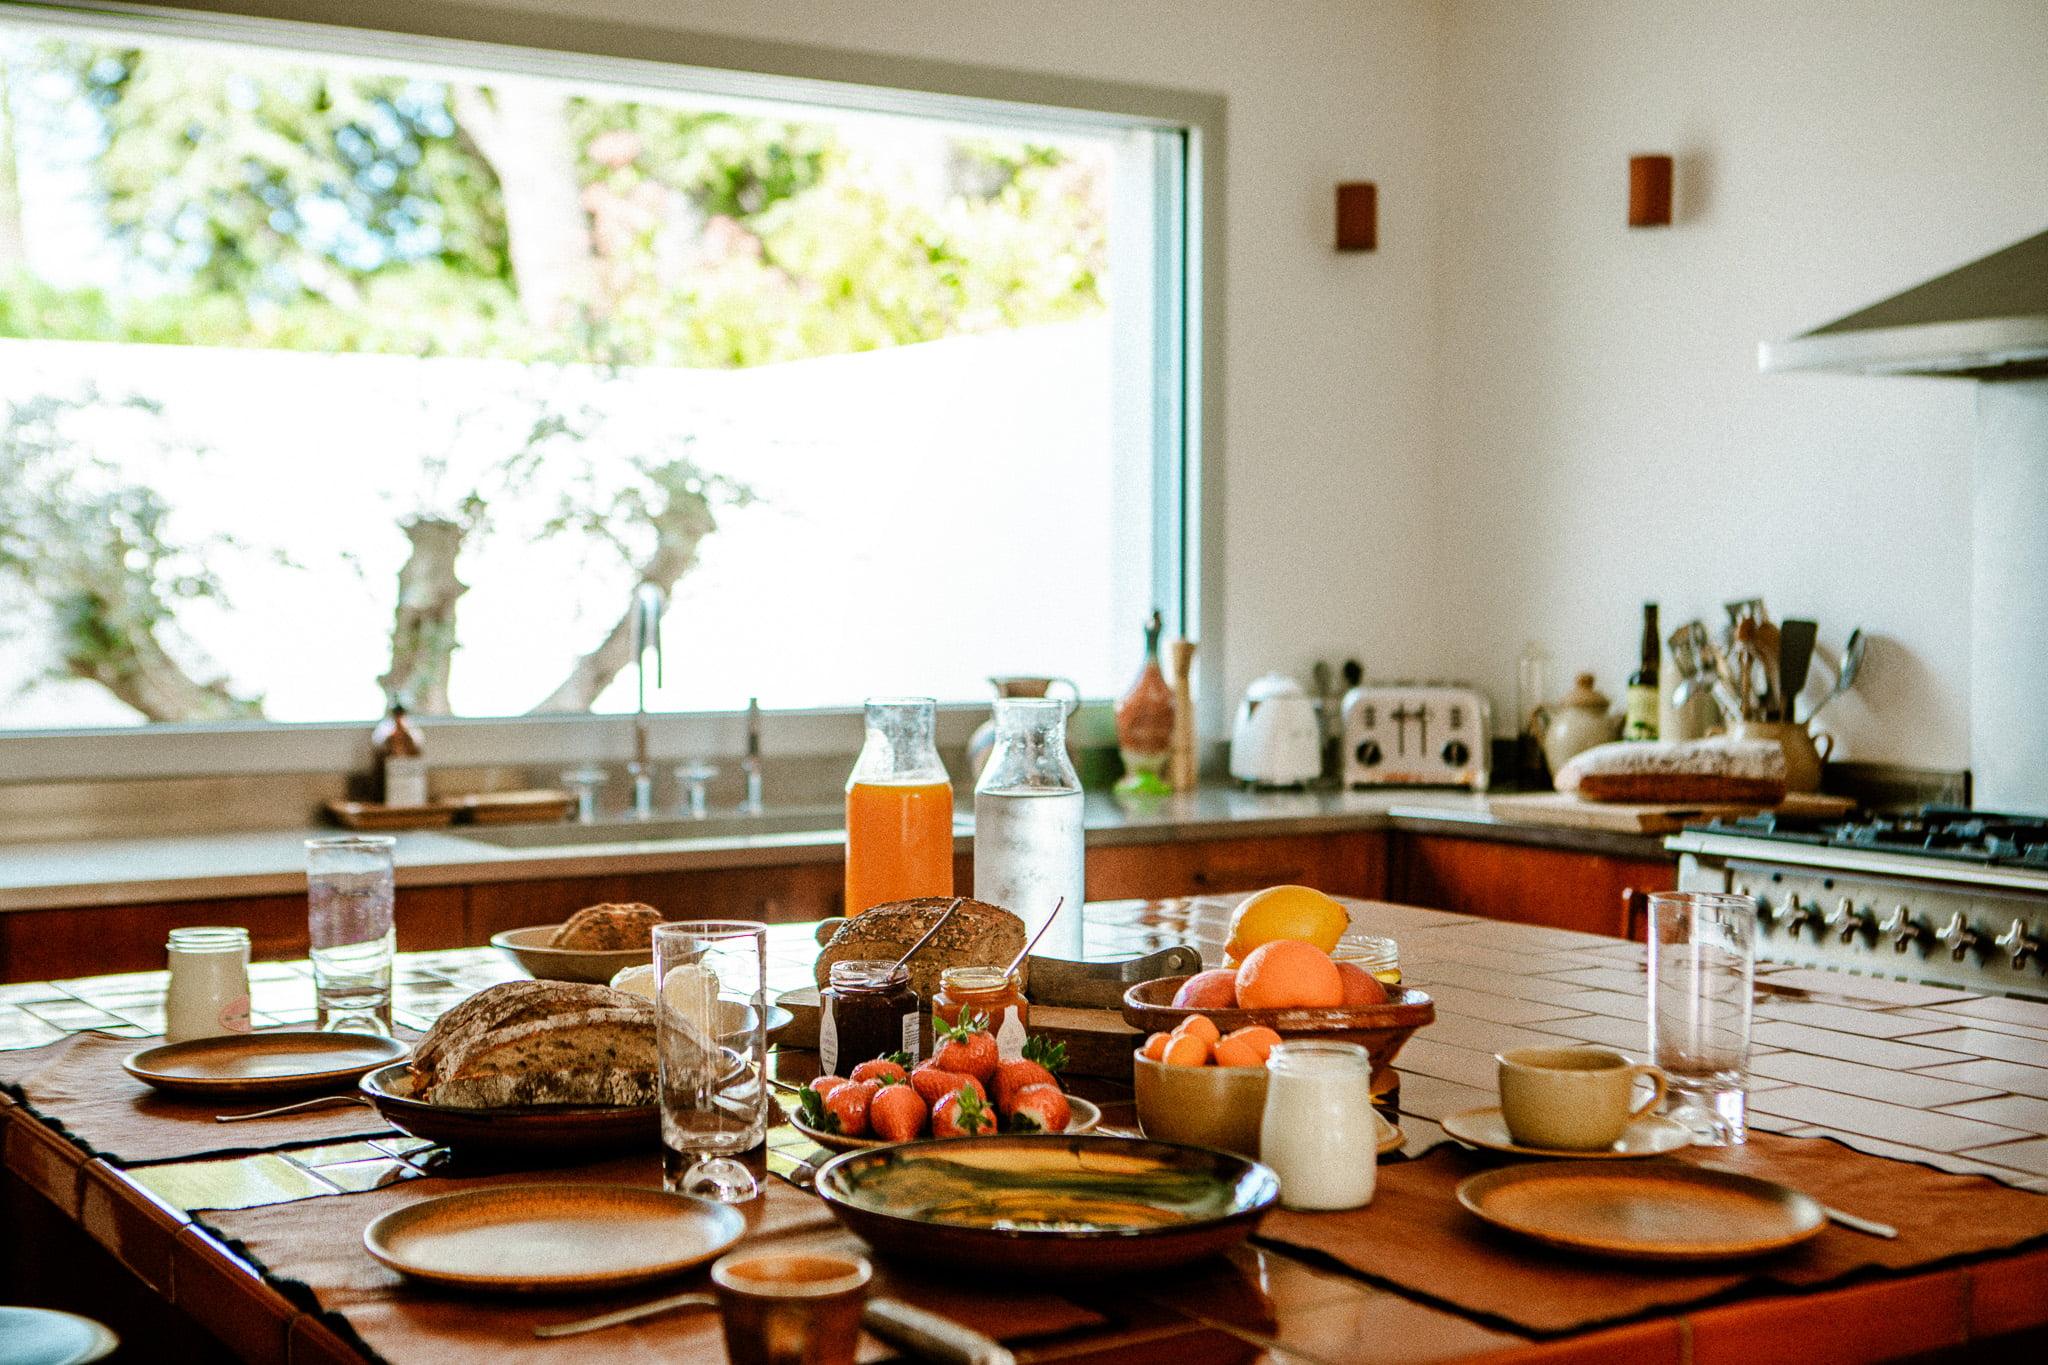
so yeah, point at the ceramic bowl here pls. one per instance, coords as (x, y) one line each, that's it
(1207, 1106)
(529, 948)
(1380, 1029)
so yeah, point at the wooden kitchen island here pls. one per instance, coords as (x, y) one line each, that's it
(1907, 1072)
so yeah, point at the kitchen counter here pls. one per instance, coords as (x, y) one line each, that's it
(117, 871)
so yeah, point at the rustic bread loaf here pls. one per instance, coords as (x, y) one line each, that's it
(978, 935)
(608, 928)
(1710, 771)
(540, 1042)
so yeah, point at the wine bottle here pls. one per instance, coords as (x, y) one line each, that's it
(1644, 693)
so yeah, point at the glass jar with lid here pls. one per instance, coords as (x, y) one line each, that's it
(207, 993)
(991, 993)
(867, 1011)
(1318, 1132)
(1380, 956)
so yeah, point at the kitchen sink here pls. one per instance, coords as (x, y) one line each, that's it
(821, 820)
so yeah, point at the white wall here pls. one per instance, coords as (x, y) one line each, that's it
(1603, 435)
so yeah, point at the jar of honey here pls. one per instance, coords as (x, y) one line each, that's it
(1380, 956)
(867, 1011)
(991, 993)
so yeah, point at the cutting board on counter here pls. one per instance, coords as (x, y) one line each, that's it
(1617, 817)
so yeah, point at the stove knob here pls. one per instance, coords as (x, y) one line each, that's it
(1905, 930)
(1368, 752)
(1799, 916)
(2021, 945)
(1847, 921)
(1959, 937)
(1457, 753)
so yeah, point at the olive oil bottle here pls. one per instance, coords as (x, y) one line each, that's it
(1644, 692)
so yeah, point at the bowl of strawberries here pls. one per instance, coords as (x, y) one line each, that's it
(966, 1089)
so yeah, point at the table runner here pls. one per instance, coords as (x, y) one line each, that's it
(313, 1251)
(77, 1086)
(1417, 1238)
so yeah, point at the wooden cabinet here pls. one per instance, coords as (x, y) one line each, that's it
(1342, 864)
(1525, 883)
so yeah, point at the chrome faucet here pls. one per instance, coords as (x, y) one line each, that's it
(752, 762)
(649, 603)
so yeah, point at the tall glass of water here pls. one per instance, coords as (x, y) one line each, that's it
(1702, 985)
(348, 917)
(711, 1015)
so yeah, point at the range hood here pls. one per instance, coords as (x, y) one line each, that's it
(1987, 320)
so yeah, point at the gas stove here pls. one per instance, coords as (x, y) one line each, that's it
(1945, 895)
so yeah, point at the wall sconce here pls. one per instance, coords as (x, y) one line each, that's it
(1358, 211)
(1649, 191)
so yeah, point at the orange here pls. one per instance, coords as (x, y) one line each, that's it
(1155, 1047)
(1287, 974)
(1186, 1049)
(1361, 987)
(1198, 1026)
(1236, 1051)
(1257, 1037)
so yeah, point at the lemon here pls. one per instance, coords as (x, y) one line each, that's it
(1286, 912)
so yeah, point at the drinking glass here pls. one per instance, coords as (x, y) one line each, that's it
(348, 918)
(1702, 984)
(711, 1013)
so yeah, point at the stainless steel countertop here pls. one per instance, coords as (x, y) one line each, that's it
(117, 871)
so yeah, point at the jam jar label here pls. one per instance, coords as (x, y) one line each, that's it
(828, 1040)
(1010, 1035)
(234, 1015)
(911, 1035)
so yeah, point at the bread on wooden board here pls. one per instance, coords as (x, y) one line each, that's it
(604, 928)
(1709, 771)
(540, 1042)
(978, 935)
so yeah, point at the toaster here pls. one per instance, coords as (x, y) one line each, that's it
(1416, 735)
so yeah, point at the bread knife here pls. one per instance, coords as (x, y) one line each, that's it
(1101, 985)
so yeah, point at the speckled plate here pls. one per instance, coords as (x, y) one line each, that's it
(1643, 1211)
(1082, 1116)
(276, 1063)
(1649, 1135)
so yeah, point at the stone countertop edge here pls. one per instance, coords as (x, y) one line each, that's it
(115, 871)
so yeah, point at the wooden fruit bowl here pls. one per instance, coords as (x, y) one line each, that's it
(1380, 1029)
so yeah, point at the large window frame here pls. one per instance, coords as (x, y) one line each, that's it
(1183, 337)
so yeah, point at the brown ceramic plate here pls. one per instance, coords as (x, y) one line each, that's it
(1380, 1029)
(278, 1063)
(550, 1239)
(1649, 1135)
(1048, 1205)
(1081, 1118)
(540, 1128)
(1645, 1211)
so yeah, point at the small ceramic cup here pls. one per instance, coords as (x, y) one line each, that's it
(1572, 1099)
(791, 1308)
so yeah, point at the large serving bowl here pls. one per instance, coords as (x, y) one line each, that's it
(1052, 1206)
(594, 966)
(537, 1129)
(1380, 1029)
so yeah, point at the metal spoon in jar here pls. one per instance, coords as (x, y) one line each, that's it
(1025, 951)
(937, 925)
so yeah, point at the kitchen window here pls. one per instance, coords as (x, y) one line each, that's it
(338, 365)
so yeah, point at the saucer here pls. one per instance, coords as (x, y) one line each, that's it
(1650, 1135)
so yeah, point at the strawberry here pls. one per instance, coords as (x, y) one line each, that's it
(962, 1114)
(811, 1104)
(1048, 1054)
(896, 1114)
(1040, 1109)
(849, 1105)
(934, 1083)
(967, 1047)
(1014, 1076)
(882, 1069)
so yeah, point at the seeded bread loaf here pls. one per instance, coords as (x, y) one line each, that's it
(605, 928)
(978, 935)
(1709, 771)
(539, 1042)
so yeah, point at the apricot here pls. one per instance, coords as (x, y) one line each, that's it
(1186, 1049)
(1288, 974)
(1260, 1039)
(1198, 1026)
(1155, 1047)
(1215, 989)
(1236, 1051)
(1361, 987)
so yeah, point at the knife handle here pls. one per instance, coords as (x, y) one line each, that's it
(931, 1336)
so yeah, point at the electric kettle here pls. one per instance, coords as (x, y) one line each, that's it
(1277, 739)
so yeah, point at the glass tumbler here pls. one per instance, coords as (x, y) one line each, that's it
(1702, 986)
(348, 918)
(711, 1013)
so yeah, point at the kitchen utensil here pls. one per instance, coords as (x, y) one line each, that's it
(349, 896)
(1795, 658)
(1276, 740)
(261, 1063)
(1382, 1029)
(791, 1307)
(534, 1129)
(619, 1317)
(1646, 1135)
(937, 924)
(1870, 1227)
(1101, 985)
(552, 1238)
(1025, 951)
(1768, 639)
(1082, 1117)
(1353, 673)
(1845, 676)
(324, 1102)
(1328, 699)
(596, 966)
(1401, 735)
(1573, 1099)
(1183, 761)
(1085, 1206)
(709, 1015)
(1702, 963)
(1646, 1211)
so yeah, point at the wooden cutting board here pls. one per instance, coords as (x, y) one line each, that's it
(1564, 808)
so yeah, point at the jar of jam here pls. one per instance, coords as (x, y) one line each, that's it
(868, 1011)
(991, 993)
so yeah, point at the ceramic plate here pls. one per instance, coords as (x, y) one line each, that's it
(537, 1128)
(1654, 1211)
(538, 1239)
(596, 966)
(1650, 1135)
(1081, 1118)
(1048, 1205)
(261, 1063)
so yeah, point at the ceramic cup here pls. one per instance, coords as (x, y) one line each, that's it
(790, 1308)
(1572, 1099)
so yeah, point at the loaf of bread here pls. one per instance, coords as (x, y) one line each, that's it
(608, 928)
(1708, 771)
(978, 935)
(538, 1043)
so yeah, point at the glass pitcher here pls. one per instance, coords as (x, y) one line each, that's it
(899, 808)
(1028, 831)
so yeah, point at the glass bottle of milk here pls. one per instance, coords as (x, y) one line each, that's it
(1027, 823)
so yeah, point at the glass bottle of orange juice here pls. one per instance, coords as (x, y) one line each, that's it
(899, 808)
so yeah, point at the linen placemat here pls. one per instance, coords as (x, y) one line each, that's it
(77, 1086)
(1417, 1238)
(312, 1250)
